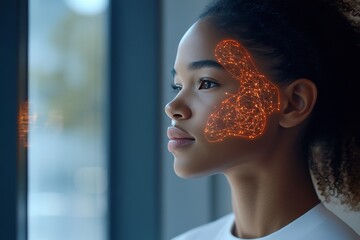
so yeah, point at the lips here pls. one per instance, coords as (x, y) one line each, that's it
(178, 139)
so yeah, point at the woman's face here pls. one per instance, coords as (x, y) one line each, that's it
(203, 84)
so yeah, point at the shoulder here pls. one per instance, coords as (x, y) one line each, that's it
(210, 231)
(331, 227)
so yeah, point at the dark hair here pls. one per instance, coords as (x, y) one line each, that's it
(309, 39)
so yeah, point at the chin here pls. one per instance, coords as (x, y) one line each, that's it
(188, 171)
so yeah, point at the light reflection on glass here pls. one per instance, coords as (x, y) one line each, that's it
(24, 119)
(67, 160)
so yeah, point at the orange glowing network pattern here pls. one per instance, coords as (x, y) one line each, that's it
(242, 114)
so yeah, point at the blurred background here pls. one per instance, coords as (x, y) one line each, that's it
(67, 99)
(67, 140)
(84, 89)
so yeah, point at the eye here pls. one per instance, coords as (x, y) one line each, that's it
(176, 87)
(207, 84)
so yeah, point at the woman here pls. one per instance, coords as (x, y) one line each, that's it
(266, 90)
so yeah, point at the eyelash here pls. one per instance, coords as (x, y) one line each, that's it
(177, 88)
(212, 83)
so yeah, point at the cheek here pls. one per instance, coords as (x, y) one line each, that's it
(202, 110)
(238, 116)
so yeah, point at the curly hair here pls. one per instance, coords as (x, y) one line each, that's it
(317, 40)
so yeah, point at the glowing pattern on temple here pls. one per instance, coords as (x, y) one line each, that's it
(242, 114)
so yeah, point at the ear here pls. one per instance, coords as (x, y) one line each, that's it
(298, 101)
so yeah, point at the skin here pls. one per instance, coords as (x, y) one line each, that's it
(269, 179)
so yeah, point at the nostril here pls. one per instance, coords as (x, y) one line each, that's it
(177, 116)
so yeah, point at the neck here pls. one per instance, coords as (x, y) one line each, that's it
(268, 197)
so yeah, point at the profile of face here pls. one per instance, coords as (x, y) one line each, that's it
(224, 113)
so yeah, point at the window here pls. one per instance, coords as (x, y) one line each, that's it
(67, 157)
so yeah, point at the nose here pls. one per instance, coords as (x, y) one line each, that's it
(177, 110)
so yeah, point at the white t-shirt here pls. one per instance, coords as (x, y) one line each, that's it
(316, 224)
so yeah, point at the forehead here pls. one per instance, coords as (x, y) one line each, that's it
(200, 41)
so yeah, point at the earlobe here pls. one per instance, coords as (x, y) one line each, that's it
(298, 100)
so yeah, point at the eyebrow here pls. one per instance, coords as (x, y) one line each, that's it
(201, 64)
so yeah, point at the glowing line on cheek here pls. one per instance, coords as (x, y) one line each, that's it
(242, 114)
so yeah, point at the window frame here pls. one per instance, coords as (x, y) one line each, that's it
(134, 154)
(13, 93)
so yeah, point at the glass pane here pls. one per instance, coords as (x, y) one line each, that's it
(67, 107)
